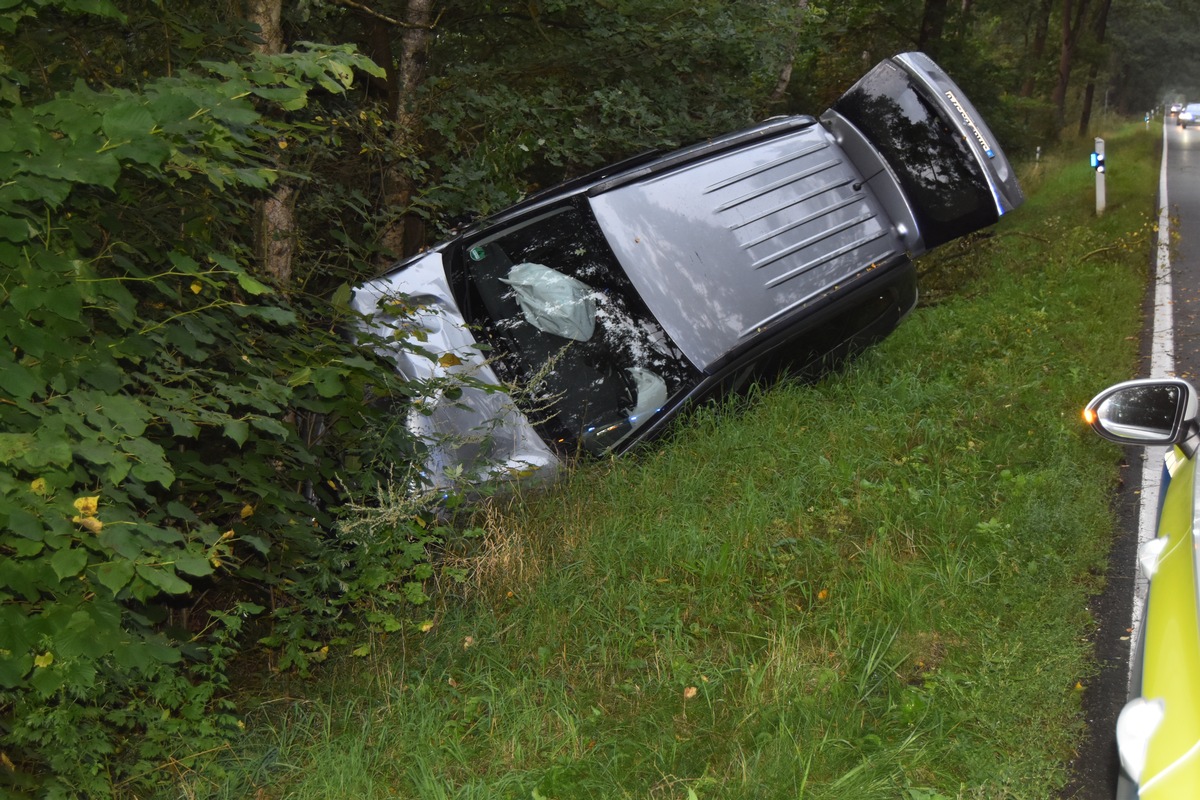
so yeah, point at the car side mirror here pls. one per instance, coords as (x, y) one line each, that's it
(1156, 411)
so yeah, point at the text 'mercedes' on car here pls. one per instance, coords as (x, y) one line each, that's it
(587, 316)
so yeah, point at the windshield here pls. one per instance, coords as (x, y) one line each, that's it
(589, 362)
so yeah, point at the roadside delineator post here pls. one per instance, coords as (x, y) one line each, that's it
(1098, 165)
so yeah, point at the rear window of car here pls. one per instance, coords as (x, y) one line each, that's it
(935, 166)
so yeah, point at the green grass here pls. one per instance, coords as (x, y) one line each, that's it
(872, 587)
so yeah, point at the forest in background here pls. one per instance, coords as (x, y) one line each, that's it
(194, 458)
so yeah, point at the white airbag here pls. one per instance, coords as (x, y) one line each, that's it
(553, 302)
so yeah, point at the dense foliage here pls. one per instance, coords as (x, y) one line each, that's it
(196, 462)
(174, 430)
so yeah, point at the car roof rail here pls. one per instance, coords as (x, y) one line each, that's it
(770, 128)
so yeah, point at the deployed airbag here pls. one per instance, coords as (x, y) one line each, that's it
(553, 302)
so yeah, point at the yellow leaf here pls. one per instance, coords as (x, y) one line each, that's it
(426, 626)
(247, 511)
(450, 360)
(44, 660)
(87, 506)
(90, 523)
(823, 594)
(282, 144)
(690, 692)
(197, 287)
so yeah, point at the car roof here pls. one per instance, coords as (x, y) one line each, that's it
(727, 249)
(643, 165)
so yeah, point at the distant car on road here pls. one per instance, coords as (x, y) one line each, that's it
(1190, 115)
(1158, 730)
(1175, 109)
(591, 314)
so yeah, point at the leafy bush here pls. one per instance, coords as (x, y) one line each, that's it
(175, 431)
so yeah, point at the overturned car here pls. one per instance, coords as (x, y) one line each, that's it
(589, 315)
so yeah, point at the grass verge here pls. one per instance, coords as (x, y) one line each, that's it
(872, 587)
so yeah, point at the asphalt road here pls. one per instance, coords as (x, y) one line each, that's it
(1170, 346)
(1183, 192)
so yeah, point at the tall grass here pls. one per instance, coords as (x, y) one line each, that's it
(871, 587)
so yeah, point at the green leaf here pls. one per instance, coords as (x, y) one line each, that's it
(143, 655)
(280, 316)
(14, 668)
(193, 564)
(328, 382)
(149, 150)
(151, 460)
(100, 8)
(126, 413)
(163, 578)
(251, 285)
(128, 119)
(115, 575)
(181, 425)
(289, 98)
(14, 229)
(76, 164)
(41, 450)
(121, 541)
(24, 524)
(238, 430)
(100, 451)
(269, 425)
(89, 633)
(24, 548)
(66, 302)
(69, 562)
(14, 446)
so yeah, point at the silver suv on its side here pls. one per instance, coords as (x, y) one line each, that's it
(590, 314)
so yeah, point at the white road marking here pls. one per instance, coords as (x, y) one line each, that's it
(1162, 364)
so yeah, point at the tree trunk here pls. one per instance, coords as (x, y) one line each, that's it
(1037, 47)
(785, 78)
(400, 236)
(267, 14)
(275, 229)
(276, 235)
(1101, 23)
(1070, 38)
(789, 62)
(933, 25)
